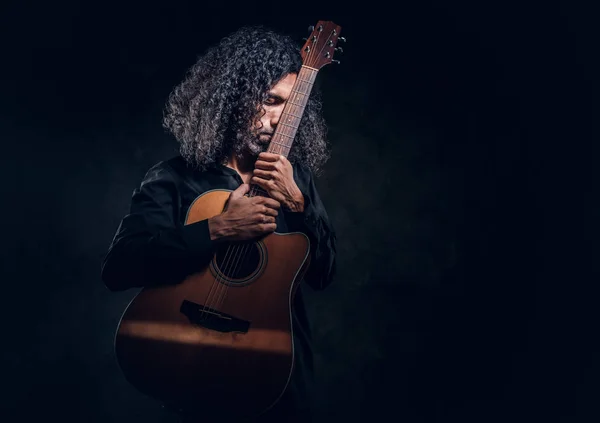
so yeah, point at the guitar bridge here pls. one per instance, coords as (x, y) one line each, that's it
(212, 319)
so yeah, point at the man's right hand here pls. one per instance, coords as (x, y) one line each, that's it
(244, 218)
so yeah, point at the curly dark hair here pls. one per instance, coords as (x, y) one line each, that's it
(211, 111)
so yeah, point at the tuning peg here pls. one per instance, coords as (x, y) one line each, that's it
(305, 39)
(342, 39)
(337, 62)
(311, 28)
(341, 50)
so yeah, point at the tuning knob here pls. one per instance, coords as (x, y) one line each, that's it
(337, 62)
(311, 28)
(341, 50)
(342, 39)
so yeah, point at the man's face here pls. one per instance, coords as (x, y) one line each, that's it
(264, 128)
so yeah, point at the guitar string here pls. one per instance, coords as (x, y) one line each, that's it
(232, 251)
(230, 262)
(302, 104)
(279, 146)
(236, 249)
(224, 270)
(207, 303)
(243, 256)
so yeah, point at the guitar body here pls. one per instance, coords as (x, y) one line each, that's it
(221, 341)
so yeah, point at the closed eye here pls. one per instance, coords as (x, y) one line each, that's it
(273, 100)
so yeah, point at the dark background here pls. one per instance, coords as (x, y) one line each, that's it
(461, 185)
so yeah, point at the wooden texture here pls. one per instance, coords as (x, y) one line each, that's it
(228, 374)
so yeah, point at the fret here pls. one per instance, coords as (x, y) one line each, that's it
(279, 143)
(295, 104)
(288, 125)
(312, 69)
(291, 114)
(292, 120)
(299, 82)
(306, 88)
(286, 135)
(300, 79)
(301, 93)
(304, 95)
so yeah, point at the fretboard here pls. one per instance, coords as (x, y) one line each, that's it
(283, 137)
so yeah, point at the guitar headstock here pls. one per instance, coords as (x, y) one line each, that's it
(320, 46)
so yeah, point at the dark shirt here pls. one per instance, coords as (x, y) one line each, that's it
(153, 245)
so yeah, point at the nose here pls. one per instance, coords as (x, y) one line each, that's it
(275, 116)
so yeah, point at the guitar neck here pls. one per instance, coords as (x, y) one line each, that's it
(283, 137)
(317, 52)
(289, 122)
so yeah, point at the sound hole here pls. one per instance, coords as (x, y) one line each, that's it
(239, 262)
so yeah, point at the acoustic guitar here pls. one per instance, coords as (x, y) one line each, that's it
(221, 341)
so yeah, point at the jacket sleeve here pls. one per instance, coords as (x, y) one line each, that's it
(151, 246)
(315, 223)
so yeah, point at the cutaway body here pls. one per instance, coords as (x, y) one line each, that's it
(221, 341)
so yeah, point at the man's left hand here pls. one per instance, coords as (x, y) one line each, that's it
(274, 174)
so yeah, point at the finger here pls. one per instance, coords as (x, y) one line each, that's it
(265, 174)
(261, 164)
(263, 183)
(268, 211)
(258, 180)
(261, 218)
(264, 200)
(269, 157)
(266, 203)
(272, 203)
(258, 183)
(240, 191)
(268, 227)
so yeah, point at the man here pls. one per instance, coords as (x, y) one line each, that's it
(223, 115)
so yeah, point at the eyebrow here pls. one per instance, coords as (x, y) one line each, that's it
(276, 97)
